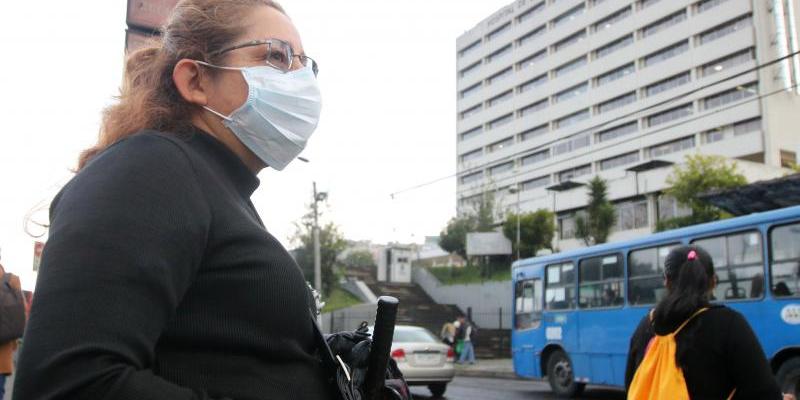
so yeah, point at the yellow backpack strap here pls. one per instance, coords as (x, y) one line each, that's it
(698, 312)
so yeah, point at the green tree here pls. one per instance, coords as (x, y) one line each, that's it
(453, 239)
(700, 174)
(331, 242)
(595, 224)
(484, 213)
(536, 230)
(359, 259)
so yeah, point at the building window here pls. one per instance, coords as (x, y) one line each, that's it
(669, 207)
(500, 145)
(663, 23)
(613, 46)
(528, 304)
(670, 115)
(666, 53)
(470, 70)
(714, 135)
(572, 144)
(535, 82)
(570, 66)
(471, 156)
(570, 40)
(618, 131)
(729, 61)
(502, 168)
(738, 263)
(619, 161)
(471, 90)
(471, 111)
(784, 266)
(501, 98)
(499, 53)
(559, 293)
(646, 3)
(534, 158)
(570, 93)
(470, 48)
(744, 127)
(500, 121)
(471, 133)
(530, 13)
(667, 84)
(612, 19)
(533, 59)
(601, 282)
(569, 15)
(705, 5)
(616, 102)
(670, 147)
(566, 226)
(571, 173)
(528, 37)
(499, 31)
(646, 275)
(536, 183)
(572, 119)
(473, 177)
(532, 108)
(725, 29)
(631, 215)
(729, 96)
(534, 132)
(500, 76)
(613, 75)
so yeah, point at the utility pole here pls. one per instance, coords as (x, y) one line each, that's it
(317, 261)
(516, 189)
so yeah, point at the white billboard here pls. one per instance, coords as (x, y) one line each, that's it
(487, 244)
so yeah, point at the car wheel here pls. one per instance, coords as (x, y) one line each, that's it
(788, 376)
(561, 377)
(437, 389)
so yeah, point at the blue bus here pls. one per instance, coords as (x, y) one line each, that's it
(575, 311)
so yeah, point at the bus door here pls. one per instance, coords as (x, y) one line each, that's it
(527, 335)
(605, 328)
(560, 322)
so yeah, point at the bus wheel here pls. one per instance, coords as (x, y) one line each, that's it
(559, 373)
(788, 376)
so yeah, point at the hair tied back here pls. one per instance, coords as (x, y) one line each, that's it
(692, 255)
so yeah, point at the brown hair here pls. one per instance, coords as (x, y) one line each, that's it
(148, 98)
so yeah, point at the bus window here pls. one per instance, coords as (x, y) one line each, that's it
(600, 282)
(738, 264)
(785, 260)
(646, 275)
(560, 286)
(528, 304)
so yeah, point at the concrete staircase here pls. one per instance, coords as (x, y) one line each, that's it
(419, 309)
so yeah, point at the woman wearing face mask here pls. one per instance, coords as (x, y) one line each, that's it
(159, 280)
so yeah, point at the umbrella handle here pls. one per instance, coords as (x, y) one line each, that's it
(381, 346)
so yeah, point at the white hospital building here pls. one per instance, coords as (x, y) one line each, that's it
(554, 92)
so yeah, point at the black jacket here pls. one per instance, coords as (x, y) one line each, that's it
(718, 352)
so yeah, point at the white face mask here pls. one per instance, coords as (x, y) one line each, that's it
(280, 113)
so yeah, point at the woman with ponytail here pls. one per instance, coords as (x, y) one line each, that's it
(159, 280)
(717, 350)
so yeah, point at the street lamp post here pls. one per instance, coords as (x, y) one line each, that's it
(516, 189)
(321, 196)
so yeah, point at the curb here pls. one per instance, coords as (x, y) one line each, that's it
(477, 373)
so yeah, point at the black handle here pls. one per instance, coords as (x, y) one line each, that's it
(381, 346)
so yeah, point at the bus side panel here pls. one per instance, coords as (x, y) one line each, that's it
(525, 345)
(561, 328)
(769, 322)
(604, 339)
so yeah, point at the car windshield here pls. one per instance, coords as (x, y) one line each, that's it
(418, 335)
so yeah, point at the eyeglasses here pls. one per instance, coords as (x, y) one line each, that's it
(278, 55)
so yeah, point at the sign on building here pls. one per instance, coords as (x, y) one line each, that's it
(487, 244)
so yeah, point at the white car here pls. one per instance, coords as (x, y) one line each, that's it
(423, 358)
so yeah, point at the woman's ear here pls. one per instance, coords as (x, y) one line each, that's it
(191, 82)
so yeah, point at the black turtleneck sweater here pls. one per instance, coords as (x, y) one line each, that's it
(159, 281)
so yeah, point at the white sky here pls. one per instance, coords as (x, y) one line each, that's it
(388, 121)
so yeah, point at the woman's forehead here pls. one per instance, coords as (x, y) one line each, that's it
(268, 23)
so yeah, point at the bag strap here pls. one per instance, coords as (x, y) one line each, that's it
(696, 313)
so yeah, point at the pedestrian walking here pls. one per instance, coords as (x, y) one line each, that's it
(465, 335)
(689, 348)
(159, 279)
(12, 325)
(448, 334)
